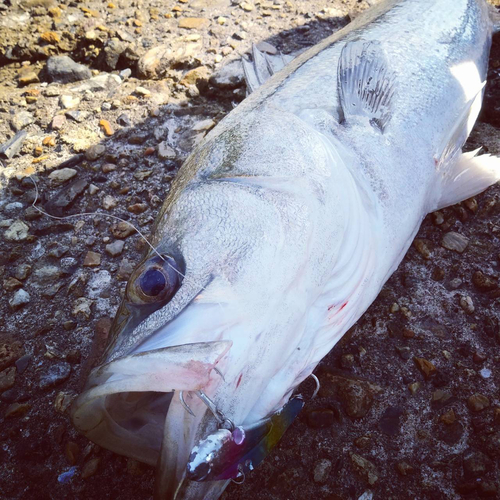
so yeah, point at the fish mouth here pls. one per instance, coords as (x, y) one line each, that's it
(125, 403)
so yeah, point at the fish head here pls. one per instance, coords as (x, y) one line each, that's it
(218, 306)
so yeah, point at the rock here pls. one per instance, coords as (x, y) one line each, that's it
(58, 122)
(21, 120)
(11, 284)
(17, 410)
(389, 424)
(165, 152)
(404, 468)
(122, 230)
(193, 23)
(475, 465)
(483, 282)
(125, 270)
(55, 375)
(455, 241)
(246, 6)
(82, 306)
(478, 402)
(466, 304)
(366, 469)
(22, 363)
(22, 271)
(196, 76)
(109, 202)
(77, 116)
(64, 70)
(17, 231)
(203, 125)
(487, 489)
(95, 152)
(48, 273)
(125, 73)
(63, 401)
(106, 127)
(116, 248)
(9, 353)
(110, 54)
(72, 451)
(137, 208)
(69, 101)
(426, 367)
(448, 418)
(322, 469)
(27, 77)
(90, 468)
(7, 379)
(92, 259)
(229, 77)
(20, 299)
(124, 120)
(422, 248)
(65, 198)
(12, 147)
(62, 175)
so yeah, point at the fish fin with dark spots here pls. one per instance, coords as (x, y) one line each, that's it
(262, 67)
(366, 85)
(467, 176)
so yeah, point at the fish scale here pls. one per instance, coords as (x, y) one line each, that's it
(284, 224)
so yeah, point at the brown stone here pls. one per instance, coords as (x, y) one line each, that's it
(49, 141)
(7, 378)
(71, 450)
(448, 418)
(366, 469)
(137, 208)
(50, 37)
(193, 23)
(422, 248)
(11, 284)
(106, 127)
(17, 410)
(90, 468)
(478, 402)
(122, 230)
(10, 353)
(404, 468)
(92, 259)
(426, 367)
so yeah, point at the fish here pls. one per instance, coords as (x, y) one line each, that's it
(279, 232)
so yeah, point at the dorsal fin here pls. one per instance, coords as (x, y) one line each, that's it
(262, 67)
(366, 85)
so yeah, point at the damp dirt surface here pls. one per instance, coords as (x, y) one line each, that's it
(409, 405)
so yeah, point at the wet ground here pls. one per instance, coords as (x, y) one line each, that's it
(409, 405)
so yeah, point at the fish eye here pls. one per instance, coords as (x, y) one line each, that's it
(155, 280)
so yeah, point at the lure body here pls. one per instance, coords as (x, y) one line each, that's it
(285, 222)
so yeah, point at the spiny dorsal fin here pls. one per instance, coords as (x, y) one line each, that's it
(262, 67)
(366, 85)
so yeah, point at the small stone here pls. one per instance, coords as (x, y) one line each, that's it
(479, 357)
(142, 91)
(55, 375)
(426, 367)
(69, 101)
(93, 189)
(404, 468)
(389, 423)
(196, 76)
(448, 418)
(247, 7)
(18, 231)
(82, 305)
(95, 152)
(106, 127)
(478, 402)
(414, 387)
(475, 465)
(22, 363)
(63, 69)
(203, 125)
(9, 353)
(12, 147)
(20, 299)
(125, 73)
(22, 271)
(422, 248)
(47, 274)
(58, 122)
(365, 469)
(125, 270)
(49, 141)
(116, 248)
(27, 77)
(21, 120)
(109, 202)
(61, 201)
(165, 152)
(322, 470)
(320, 419)
(137, 208)
(7, 379)
(193, 23)
(483, 282)
(11, 284)
(455, 284)
(90, 468)
(17, 410)
(466, 304)
(72, 451)
(77, 116)
(50, 37)
(92, 259)
(122, 230)
(404, 352)
(455, 241)
(124, 120)
(62, 175)
(63, 401)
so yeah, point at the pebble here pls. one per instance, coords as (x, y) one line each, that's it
(90, 468)
(63, 199)
(72, 451)
(478, 402)
(82, 306)
(322, 470)
(466, 304)
(229, 77)
(193, 23)
(404, 468)
(389, 423)
(9, 353)
(69, 101)
(76, 115)
(58, 122)
(64, 70)
(11, 284)
(483, 282)
(55, 375)
(203, 125)
(27, 77)
(116, 248)
(475, 465)
(63, 401)
(122, 230)
(62, 175)
(448, 418)
(455, 241)
(95, 152)
(422, 248)
(92, 259)
(137, 208)
(17, 410)
(366, 469)
(7, 379)
(124, 120)
(22, 363)
(48, 273)
(109, 202)
(106, 127)
(12, 147)
(426, 367)
(125, 73)
(20, 299)
(455, 284)
(142, 91)
(125, 270)
(165, 152)
(247, 7)
(22, 271)
(21, 120)
(485, 373)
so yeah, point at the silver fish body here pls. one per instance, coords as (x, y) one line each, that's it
(284, 224)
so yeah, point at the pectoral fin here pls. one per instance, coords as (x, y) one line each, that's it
(366, 85)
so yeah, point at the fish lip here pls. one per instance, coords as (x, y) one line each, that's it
(105, 411)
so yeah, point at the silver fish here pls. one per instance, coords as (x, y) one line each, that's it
(283, 225)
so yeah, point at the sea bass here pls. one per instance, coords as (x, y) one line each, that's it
(278, 233)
